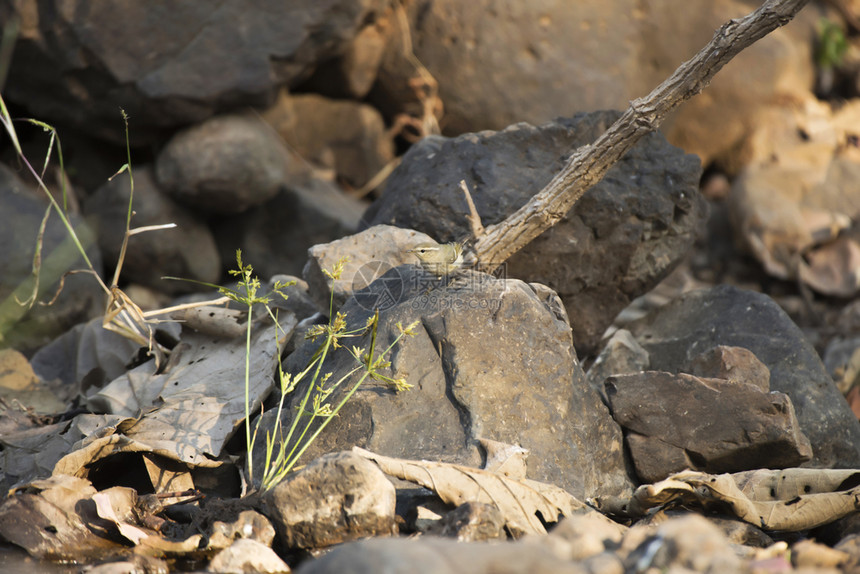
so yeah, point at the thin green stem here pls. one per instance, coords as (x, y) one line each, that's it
(248, 439)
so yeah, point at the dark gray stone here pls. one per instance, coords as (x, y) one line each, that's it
(712, 425)
(169, 64)
(622, 237)
(490, 359)
(275, 237)
(187, 250)
(224, 165)
(697, 321)
(438, 556)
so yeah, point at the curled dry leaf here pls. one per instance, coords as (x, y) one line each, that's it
(506, 459)
(104, 507)
(215, 321)
(525, 504)
(791, 499)
(190, 411)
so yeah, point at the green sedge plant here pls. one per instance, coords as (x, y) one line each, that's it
(283, 451)
(315, 410)
(121, 314)
(124, 317)
(247, 293)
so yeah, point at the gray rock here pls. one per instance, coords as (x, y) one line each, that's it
(680, 421)
(620, 355)
(81, 297)
(725, 315)
(187, 250)
(438, 556)
(623, 236)
(686, 544)
(499, 63)
(471, 522)
(347, 137)
(169, 65)
(336, 498)
(370, 254)
(225, 164)
(733, 364)
(275, 237)
(490, 359)
(246, 555)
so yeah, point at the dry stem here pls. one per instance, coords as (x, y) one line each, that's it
(589, 164)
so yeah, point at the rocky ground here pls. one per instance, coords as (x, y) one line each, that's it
(667, 380)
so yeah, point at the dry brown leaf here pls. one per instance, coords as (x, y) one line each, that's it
(520, 501)
(167, 475)
(506, 459)
(789, 500)
(78, 462)
(215, 321)
(49, 519)
(193, 408)
(104, 508)
(30, 453)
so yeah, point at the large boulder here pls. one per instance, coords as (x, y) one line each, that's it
(499, 62)
(675, 422)
(492, 358)
(226, 164)
(622, 237)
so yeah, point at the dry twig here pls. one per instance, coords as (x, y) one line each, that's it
(589, 164)
(473, 218)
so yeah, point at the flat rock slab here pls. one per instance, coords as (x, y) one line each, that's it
(682, 421)
(697, 321)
